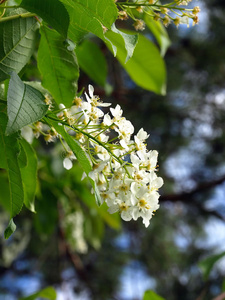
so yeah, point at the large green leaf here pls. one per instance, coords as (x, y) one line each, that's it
(89, 16)
(159, 32)
(29, 175)
(130, 41)
(79, 153)
(25, 104)
(10, 150)
(92, 61)
(51, 11)
(146, 67)
(150, 295)
(47, 293)
(58, 67)
(207, 264)
(17, 42)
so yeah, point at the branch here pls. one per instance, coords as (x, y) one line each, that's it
(185, 197)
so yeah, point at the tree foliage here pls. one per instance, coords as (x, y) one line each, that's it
(51, 50)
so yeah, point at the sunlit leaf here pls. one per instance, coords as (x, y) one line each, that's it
(146, 67)
(207, 264)
(92, 61)
(58, 67)
(10, 150)
(89, 16)
(150, 295)
(52, 12)
(130, 41)
(113, 220)
(25, 105)
(17, 42)
(47, 293)
(159, 33)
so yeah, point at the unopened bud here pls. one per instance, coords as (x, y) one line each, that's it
(139, 25)
(196, 10)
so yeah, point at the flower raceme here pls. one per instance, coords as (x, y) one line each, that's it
(122, 167)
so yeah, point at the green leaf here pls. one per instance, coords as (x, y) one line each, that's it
(29, 175)
(58, 67)
(79, 153)
(25, 105)
(5, 194)
(52, 12)
(207, 264)
(130, 41)
(22, 157)
(10, 229)
(92, 61)
(113, 220)
(47, 293)
(10, 150)
(159, 32)
(150, 295)
(17, 43)
(89, 16)
(93, 229)
(2, 93)
(146, 67)
(37, 86)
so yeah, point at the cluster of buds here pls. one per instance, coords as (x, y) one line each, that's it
(167, 13)
(122, 167)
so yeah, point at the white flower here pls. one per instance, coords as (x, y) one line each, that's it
(123, 205)
(144, 203)
(93, 100)
(142, 135)
(97, 169)
(116, 112)
(149, 159)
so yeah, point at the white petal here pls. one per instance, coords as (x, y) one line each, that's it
(91, 90)
(142, 135)
(61, 106)
(136, 213)
(67, 163)
(114, 208)
(126, 215)
(84, 175)
(104, 104)
(158, 182)
(107, 120)
(146, 222)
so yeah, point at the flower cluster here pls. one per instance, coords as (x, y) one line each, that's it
(167, 13)
(122, 167)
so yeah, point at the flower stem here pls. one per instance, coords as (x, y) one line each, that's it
(92, 138)
(24, 15)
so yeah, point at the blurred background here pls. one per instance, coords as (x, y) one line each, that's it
(84, 252)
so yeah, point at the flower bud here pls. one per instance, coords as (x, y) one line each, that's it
(139, 25)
